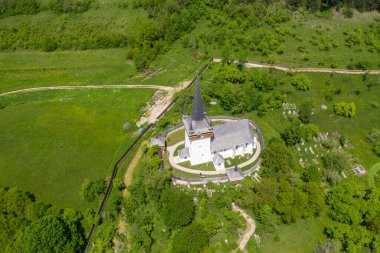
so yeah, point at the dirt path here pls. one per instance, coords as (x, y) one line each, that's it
(320, 70)
(129, 173)
(250, 230)
(160, 105)
(81, 87)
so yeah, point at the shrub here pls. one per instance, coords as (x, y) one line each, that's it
(48, 45)
(305, 112)
(376, 148)
(127, 126)
(301, 82)
(67, 6)
(344, 109)
(347, 12)
(18, 7)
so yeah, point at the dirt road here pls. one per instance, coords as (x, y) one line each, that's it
(82, 87)
(320, 70)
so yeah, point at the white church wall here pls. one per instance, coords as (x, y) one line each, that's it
(227, 153)
(249, 148)
(187, 140)
(200, 151)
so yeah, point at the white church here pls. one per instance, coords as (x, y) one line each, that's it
(207, 143)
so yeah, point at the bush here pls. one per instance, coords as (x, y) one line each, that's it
(344, 109)
(301, 82)
(178, 208)
(48, 45)
(68, 6)
(376, 148)
(347, 12)
(18, 7)
(305, 112)
(127, 126)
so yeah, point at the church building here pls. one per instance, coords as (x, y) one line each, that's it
(205, 142)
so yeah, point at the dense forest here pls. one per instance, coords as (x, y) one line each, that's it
(29, 225)
(164, 22)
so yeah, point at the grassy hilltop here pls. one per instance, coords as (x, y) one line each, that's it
(52, 141)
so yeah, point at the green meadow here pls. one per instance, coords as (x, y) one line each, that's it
(51, 141)
(25, 69)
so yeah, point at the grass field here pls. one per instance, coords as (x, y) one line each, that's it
(52, 140)
(27, 69)
(175, 137)
(301, 236)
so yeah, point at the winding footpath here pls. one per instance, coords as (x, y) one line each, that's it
(250, 230)
(318, 70)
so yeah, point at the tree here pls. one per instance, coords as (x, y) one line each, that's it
(48, 234)
(177, 208)
(91, 189)
(344, 109)
(293, 133)
(301, 82)
(191, 239)
(276, 157)
(305, 112)
(335, 162)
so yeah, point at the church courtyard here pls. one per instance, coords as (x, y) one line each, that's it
(243, 162)
(201, 146)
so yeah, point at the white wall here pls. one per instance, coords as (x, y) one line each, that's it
(200, 151)
(240, 151)
(187, 141)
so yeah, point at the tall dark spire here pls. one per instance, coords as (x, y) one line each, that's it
(197, 113)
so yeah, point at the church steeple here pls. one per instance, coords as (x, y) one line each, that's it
(197, 113)
(198, 121)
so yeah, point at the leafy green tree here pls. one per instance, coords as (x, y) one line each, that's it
(276, 157)
(301, 82)
(305, 112)
(48, 234)
(191, 239)
(211, 224)
(177, 208)
(91, 189)
(344, 109)
(293, 133)
(335, 162)
(311, 174)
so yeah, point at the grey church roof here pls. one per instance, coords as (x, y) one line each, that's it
(218, 159)
(198, 122)
(231, 134)
(234, 175)
(157, 140)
